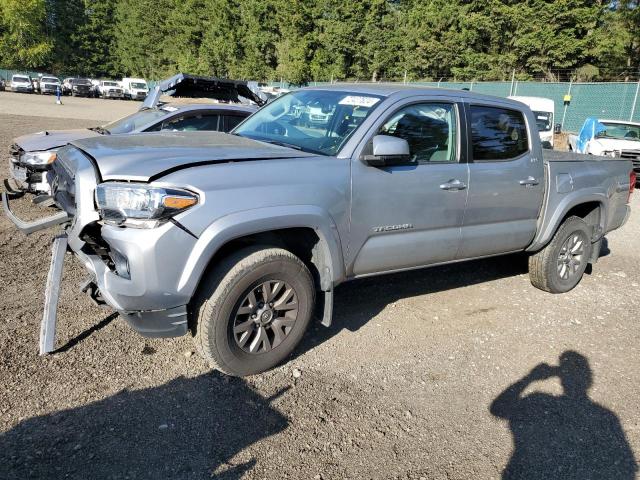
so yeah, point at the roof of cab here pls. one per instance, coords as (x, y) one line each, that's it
(388, 89)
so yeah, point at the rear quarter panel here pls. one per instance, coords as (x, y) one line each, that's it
(573, 179)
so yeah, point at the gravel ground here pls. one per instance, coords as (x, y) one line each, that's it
(429, 374)
(72, 107)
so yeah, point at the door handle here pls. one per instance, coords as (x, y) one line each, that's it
(530, 181)
(454, 184)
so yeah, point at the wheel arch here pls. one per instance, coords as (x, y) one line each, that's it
(591, 208)
(305, 230)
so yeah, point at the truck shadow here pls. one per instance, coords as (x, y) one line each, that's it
(357, 302)
(565, 436)
(187, 428)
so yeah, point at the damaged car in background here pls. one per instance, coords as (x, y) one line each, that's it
(30, 156)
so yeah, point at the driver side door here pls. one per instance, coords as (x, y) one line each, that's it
(411, 215)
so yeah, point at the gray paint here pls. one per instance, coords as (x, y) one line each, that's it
(247, 187)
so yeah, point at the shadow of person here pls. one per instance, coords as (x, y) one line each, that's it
(187, 428)
(566, 436)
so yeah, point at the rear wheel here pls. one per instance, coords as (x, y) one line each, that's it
(559, 266)
(253, 310)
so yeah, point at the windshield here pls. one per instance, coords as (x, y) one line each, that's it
(544, 121)
(50, 80)
(142, 86)
(622, 131)
(21, 79)
(135, 120)
(80, 81)
(316, 121)
(109, 84)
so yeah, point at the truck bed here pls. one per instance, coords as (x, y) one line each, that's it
(568, 156)
(574, 178)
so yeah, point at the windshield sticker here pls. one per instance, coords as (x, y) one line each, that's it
(358, 101)
(542, 117)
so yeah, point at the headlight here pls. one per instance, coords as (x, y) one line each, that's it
(610, 153)
(38, 158)
(140, 205)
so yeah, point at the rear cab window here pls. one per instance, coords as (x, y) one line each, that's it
(498, 134)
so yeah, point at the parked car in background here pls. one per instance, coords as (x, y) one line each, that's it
(544, 112)
(611, 138)
(134, 88)
(80, 87)
(21, 83)
(2, 85)
(110, 89)
(49, 84)
(31, 155)
(233, 237)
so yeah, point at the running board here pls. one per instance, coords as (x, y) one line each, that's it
(51, 296)
(40, 224)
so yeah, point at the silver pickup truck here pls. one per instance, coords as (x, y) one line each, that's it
(236, 237)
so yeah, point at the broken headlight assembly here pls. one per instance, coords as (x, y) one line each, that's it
(139, 205)
(38, 158)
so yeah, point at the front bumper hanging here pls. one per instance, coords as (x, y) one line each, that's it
(51, 295)
(40, 224)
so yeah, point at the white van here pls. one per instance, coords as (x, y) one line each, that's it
(134, 88)
(544, 111)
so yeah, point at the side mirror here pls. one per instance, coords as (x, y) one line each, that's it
(388, 151)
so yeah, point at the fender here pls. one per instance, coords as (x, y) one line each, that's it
(249, 222)
(560, 206)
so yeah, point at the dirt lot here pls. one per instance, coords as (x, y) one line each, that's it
(411, 382)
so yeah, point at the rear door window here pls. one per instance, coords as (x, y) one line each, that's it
(497, 133)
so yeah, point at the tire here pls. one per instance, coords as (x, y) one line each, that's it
(224, 309)
(554, 269)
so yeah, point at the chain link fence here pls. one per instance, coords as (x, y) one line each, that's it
(610, 100)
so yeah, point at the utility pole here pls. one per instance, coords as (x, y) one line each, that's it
(635, 98)
(513, 77)
(566, 104)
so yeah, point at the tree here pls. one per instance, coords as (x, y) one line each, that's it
(94, 39)
(24, 42)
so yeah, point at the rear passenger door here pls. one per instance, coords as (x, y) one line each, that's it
(506, 182)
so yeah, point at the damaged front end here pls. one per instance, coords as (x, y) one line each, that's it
(105, 254)
(28, 170)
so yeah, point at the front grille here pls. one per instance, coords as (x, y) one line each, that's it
(630, 154)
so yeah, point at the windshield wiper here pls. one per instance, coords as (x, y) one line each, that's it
(100, 130)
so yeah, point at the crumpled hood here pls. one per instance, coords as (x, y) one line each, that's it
(51, 139)
(617, 144)
(146, 156)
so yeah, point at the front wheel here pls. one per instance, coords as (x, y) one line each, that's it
(559, 266)
(253, 310)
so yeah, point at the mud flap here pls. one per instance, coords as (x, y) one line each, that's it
(52, 293)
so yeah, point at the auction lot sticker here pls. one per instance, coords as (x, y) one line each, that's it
(358, 101)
